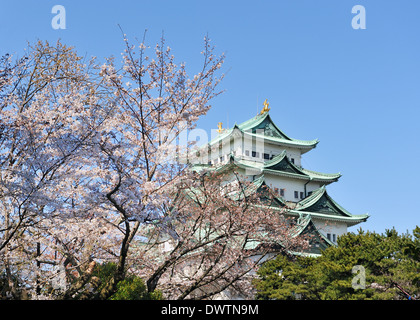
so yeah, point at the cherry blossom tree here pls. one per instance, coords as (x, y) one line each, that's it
(153, 100)
(86, 154)
(91, 173)
(222, 228)
(47, 115)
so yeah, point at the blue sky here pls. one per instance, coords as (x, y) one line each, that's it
(357, 91)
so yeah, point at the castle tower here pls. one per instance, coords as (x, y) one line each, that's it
(263, 153)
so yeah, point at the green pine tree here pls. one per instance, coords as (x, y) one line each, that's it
(390, 262)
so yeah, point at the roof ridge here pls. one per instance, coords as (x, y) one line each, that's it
(316, 196)
(283, 156)
(258, 117)
(276, 159)
(313, 197)
(322, 173)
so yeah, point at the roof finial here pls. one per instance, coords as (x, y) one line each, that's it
(219, 125)
(266, 108)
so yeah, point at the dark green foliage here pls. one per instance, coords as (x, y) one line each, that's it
(391, 263)
(131, 288)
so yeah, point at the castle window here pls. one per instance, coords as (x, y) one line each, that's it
(301, 195)
(292, 160)
(334, 237)
(282, 192)
(266, 156)
(247, 153)
(255, 154)
(329, 236)
(296, 194)
(276, 191)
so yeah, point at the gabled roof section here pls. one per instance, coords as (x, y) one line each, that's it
(255, 186)
(317, 241)
(304, 228)
(258, 186)
(263, 127)
(264, 123)
(281, 165)
(321, 205)
(319, 201)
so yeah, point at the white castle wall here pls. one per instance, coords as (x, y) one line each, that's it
(333, 228)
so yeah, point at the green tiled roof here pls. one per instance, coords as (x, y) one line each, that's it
(318, 241)
(303, 227)
(319, 204)
(261, 126)
(279, 165)
(259, 186)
